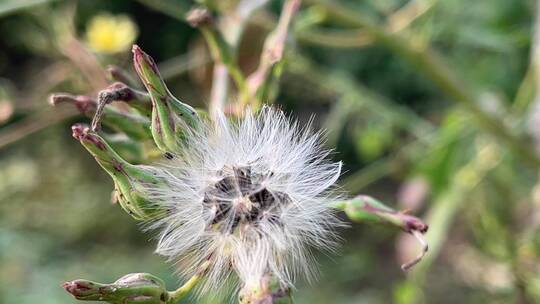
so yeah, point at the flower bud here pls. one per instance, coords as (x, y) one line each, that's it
(170, 117)
(129, 179)
(364, 208)
(131, 123)
(134, 288)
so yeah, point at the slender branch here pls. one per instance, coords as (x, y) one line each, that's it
(220, 89)
(86, 62)
(32, 124)
(402, 18)
(117, 74)
(272, 53)
(232, 26)
(222, 52)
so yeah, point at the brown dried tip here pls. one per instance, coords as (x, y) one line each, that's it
(116, 91)
(424, 249)
(78, 131)
(83, 103)
(417, 228)
(78, 288)
(137, 51)
(198, 16)
(82, 133)
(412, 223)
(141, 59)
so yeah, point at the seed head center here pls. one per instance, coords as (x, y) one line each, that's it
(240, 197)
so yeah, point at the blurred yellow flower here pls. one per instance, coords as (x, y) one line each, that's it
(106, 33)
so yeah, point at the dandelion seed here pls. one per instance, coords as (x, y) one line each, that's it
(251, 196)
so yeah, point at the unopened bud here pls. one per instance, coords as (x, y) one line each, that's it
(170, 117)
(367, 209)
(129, 289)
(129, 180)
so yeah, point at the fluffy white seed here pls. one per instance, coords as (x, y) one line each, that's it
(249, 195)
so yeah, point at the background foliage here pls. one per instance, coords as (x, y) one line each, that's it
(430, 103)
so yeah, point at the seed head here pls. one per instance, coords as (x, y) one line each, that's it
(251, 197)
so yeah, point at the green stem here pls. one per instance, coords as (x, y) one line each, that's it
(182, 291)
(261, 81)
(222, 53)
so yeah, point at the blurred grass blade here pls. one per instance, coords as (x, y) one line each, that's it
(171, 8)
(12, 6)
